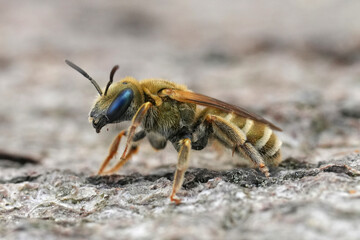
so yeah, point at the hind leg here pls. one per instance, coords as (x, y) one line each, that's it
(235, 138)
(255, 157)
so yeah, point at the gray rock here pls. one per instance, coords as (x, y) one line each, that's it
(299, 199)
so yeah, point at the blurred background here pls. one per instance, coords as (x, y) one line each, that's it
(296, 63)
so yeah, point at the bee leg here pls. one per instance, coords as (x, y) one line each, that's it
(255, 157)
(139, 116)
(112, 151)
(228, 132)
(181, 167)
(134, 149)
(136, 121)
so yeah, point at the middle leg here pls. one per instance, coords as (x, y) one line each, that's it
(181, 167)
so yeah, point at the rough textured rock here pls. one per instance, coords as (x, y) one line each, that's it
(298, 200)
(297, 64)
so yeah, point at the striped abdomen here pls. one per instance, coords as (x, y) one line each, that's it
(262, 138)
(257, 133)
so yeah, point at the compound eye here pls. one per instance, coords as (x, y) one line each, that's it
(119, 106)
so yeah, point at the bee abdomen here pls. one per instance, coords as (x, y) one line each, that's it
(262, 138)
(261, 142)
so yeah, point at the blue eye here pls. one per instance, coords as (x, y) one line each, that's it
(119, 106)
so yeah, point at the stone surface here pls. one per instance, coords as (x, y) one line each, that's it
(301, 200)
(297, 64)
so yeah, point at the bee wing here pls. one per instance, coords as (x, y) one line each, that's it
(197, 98)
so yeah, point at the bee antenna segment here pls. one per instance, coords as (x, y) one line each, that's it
(77, 68)
(112, 73)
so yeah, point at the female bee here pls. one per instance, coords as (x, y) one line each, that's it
(169, 112)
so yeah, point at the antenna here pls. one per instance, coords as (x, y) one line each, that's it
(77, 68)
(112, 73)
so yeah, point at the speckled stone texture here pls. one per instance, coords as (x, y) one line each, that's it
(297, 64)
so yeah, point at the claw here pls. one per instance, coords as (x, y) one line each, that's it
(264, 170)
(176, 200)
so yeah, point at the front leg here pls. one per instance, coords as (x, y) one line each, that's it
(113, 150)
(137, 119)
(181, 167)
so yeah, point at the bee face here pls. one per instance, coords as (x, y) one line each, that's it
(117, 102)
(118, 105)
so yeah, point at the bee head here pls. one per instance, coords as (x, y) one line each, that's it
(118, 102)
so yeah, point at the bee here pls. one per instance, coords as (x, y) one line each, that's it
(169, 112)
